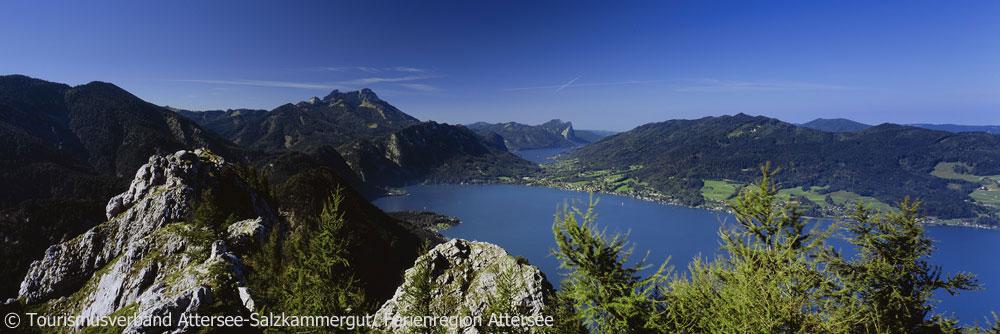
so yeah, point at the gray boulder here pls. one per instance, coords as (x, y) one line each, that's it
(466, 278)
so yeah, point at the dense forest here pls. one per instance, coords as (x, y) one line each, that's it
(886, 162)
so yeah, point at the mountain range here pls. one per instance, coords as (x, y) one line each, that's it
(552, 134)
(382, 145)
(203, 224)
(114, 205)
(70, 148)
(337, 119)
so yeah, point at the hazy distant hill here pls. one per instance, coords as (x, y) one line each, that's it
(517, 136)
(835, 125)
(593, 136)
(886, 162)
(994, 129)
(846, 125)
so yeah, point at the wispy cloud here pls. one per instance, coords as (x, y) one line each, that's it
(411, 82)
(268, 83)
(409, 69)
(717, 85)
(376, 80)
(574, 83)
(374, 69)
(421, 87)
(703, 85)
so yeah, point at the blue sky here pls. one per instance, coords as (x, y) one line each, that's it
(603, 65)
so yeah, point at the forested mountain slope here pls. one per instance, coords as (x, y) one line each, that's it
(886, 162)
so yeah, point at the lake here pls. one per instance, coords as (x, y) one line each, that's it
(519, 218)
(542, 155)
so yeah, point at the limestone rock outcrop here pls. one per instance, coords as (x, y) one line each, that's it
(146, 259)
(466, 277)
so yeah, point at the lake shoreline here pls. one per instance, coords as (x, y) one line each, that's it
(929, 221)
(518, 217)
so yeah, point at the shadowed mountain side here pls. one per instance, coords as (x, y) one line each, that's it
(336, 119)
(69, 148)
(432, 152)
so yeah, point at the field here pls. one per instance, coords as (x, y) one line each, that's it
(565, 174)
(822, 201)
(988, 193)
(955, 171)
(719, 190)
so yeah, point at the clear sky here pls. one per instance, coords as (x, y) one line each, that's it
(603, 65)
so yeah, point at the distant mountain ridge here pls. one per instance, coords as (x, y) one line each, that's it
(383, 146)
(846, 125)
(886, 162)
(994, 129)
(552, 134)
(337, 119)
(835, 125)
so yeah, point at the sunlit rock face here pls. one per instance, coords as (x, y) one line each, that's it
(465, 279)
(146, 260)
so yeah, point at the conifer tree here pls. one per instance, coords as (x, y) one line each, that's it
(504, 300)
(323, 269)
(418, 295)
(606, 290)
(891, 274)
(767, 279)
(316, 278)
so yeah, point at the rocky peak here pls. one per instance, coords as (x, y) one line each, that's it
(352, 97)
(466, 277)
(146, 258)
(564, 129)
(367, 94)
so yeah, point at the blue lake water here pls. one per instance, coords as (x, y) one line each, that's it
(519, 218)
(542, 155)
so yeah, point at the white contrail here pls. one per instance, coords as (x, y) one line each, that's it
(567, 84)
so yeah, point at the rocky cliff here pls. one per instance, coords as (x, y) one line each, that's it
(517, 136)
(471, 279)
(149, 258)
